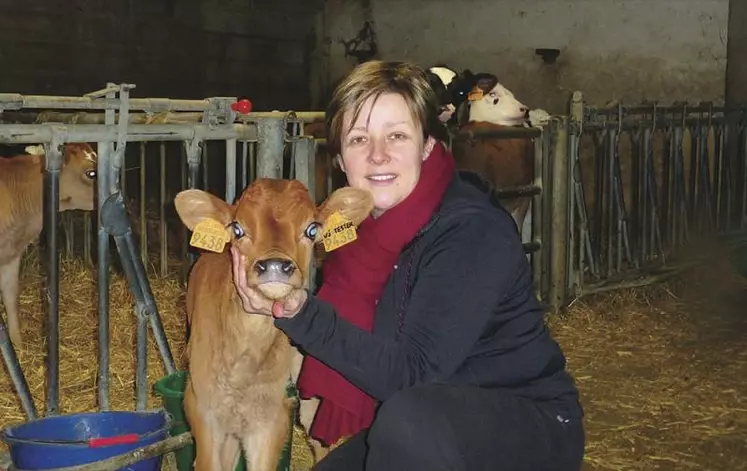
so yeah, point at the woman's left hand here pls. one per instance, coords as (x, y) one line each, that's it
(255, 303)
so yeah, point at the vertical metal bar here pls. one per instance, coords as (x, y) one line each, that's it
(643, 200)
(572, 229)
(609, 180)
(162, 226)
(244, 163)
(17, 378)
(194, 151)
(102, 262)
(53, 166)
(271, 137)
(87, 238)
(742, 203)
(230, 170)
(183, 240)
(69, 227)
(206, 153)
(143, 208)
(718, 177)
(559, 220)
(252, 161)
(537, 202)
(304, 152)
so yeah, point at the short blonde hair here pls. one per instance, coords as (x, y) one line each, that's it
(373, 78)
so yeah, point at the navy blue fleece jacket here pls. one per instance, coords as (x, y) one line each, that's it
(471, 316)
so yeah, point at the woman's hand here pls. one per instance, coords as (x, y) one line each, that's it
(253, 302)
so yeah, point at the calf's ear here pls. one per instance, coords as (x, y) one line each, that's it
(353, 203)
(194, 206)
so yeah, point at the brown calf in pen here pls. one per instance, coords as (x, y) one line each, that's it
(22, 211)
(239, 363)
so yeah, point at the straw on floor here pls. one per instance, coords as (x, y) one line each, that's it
(661, 370)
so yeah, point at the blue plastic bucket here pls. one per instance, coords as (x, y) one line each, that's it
(75, 439)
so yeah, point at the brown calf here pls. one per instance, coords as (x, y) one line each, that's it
(503, 162)
(21, 211)
(239, 363)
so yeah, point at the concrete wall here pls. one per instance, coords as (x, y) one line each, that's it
(610, 49)
(170, 48)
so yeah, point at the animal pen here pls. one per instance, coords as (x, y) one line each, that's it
(607, 211)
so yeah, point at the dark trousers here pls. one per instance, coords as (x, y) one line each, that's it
(458, 428)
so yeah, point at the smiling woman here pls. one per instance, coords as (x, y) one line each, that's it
(426, 343)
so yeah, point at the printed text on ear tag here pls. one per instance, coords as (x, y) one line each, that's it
(210, 235)
(338, 231)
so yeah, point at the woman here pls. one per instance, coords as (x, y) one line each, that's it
(430, 312)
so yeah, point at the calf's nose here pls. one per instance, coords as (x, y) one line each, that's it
(274, 268)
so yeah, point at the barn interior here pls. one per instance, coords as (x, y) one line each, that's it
(645, 285)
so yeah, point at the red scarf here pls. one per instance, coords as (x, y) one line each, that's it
(354, 277)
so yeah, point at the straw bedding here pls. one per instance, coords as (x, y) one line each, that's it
(661, 370)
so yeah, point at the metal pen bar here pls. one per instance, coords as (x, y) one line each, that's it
(53, 166)
(230, 170)
(17, 378)
(271, 138)
(508, 132)
(34, 133)
(163, 226)
(143, 207)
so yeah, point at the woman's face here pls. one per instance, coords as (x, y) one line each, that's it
(385, 156)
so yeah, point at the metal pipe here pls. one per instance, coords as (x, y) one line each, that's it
(559, 220)
(230, 170)
(17, 378)
(508, 132)
(536, 209)
(16, 101)
(143, 208)
(103, 185)
(53, 166)
(163, 226)
(271, 137)
(34, 133)
(173, 116)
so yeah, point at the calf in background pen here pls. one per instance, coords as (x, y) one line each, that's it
(22, 210)
(239, 363)
(503, 162)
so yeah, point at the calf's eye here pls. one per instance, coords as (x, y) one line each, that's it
(312, 230)
(238, 231)
(91, 174)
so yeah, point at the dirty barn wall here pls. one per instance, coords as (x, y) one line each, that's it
(169, 48)
(610, 49)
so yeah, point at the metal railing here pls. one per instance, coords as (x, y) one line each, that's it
(266, 132)
(645, 181)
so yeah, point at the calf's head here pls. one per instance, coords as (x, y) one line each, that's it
(274, 226)
(77, 177)
(492, 102)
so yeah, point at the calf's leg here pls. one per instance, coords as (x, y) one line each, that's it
(9, 288)
(264, 442)
(209, 439)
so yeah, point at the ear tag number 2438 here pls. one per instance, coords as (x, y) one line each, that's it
(338, 231)
(209, 234)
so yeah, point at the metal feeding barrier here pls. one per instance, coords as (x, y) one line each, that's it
(217, 122)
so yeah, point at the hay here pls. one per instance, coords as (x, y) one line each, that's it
(660, 369)
(662, 373)
(78, 338)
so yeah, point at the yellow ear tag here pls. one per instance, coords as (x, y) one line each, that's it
(338, 231)
(475, 94)
(210, 235)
